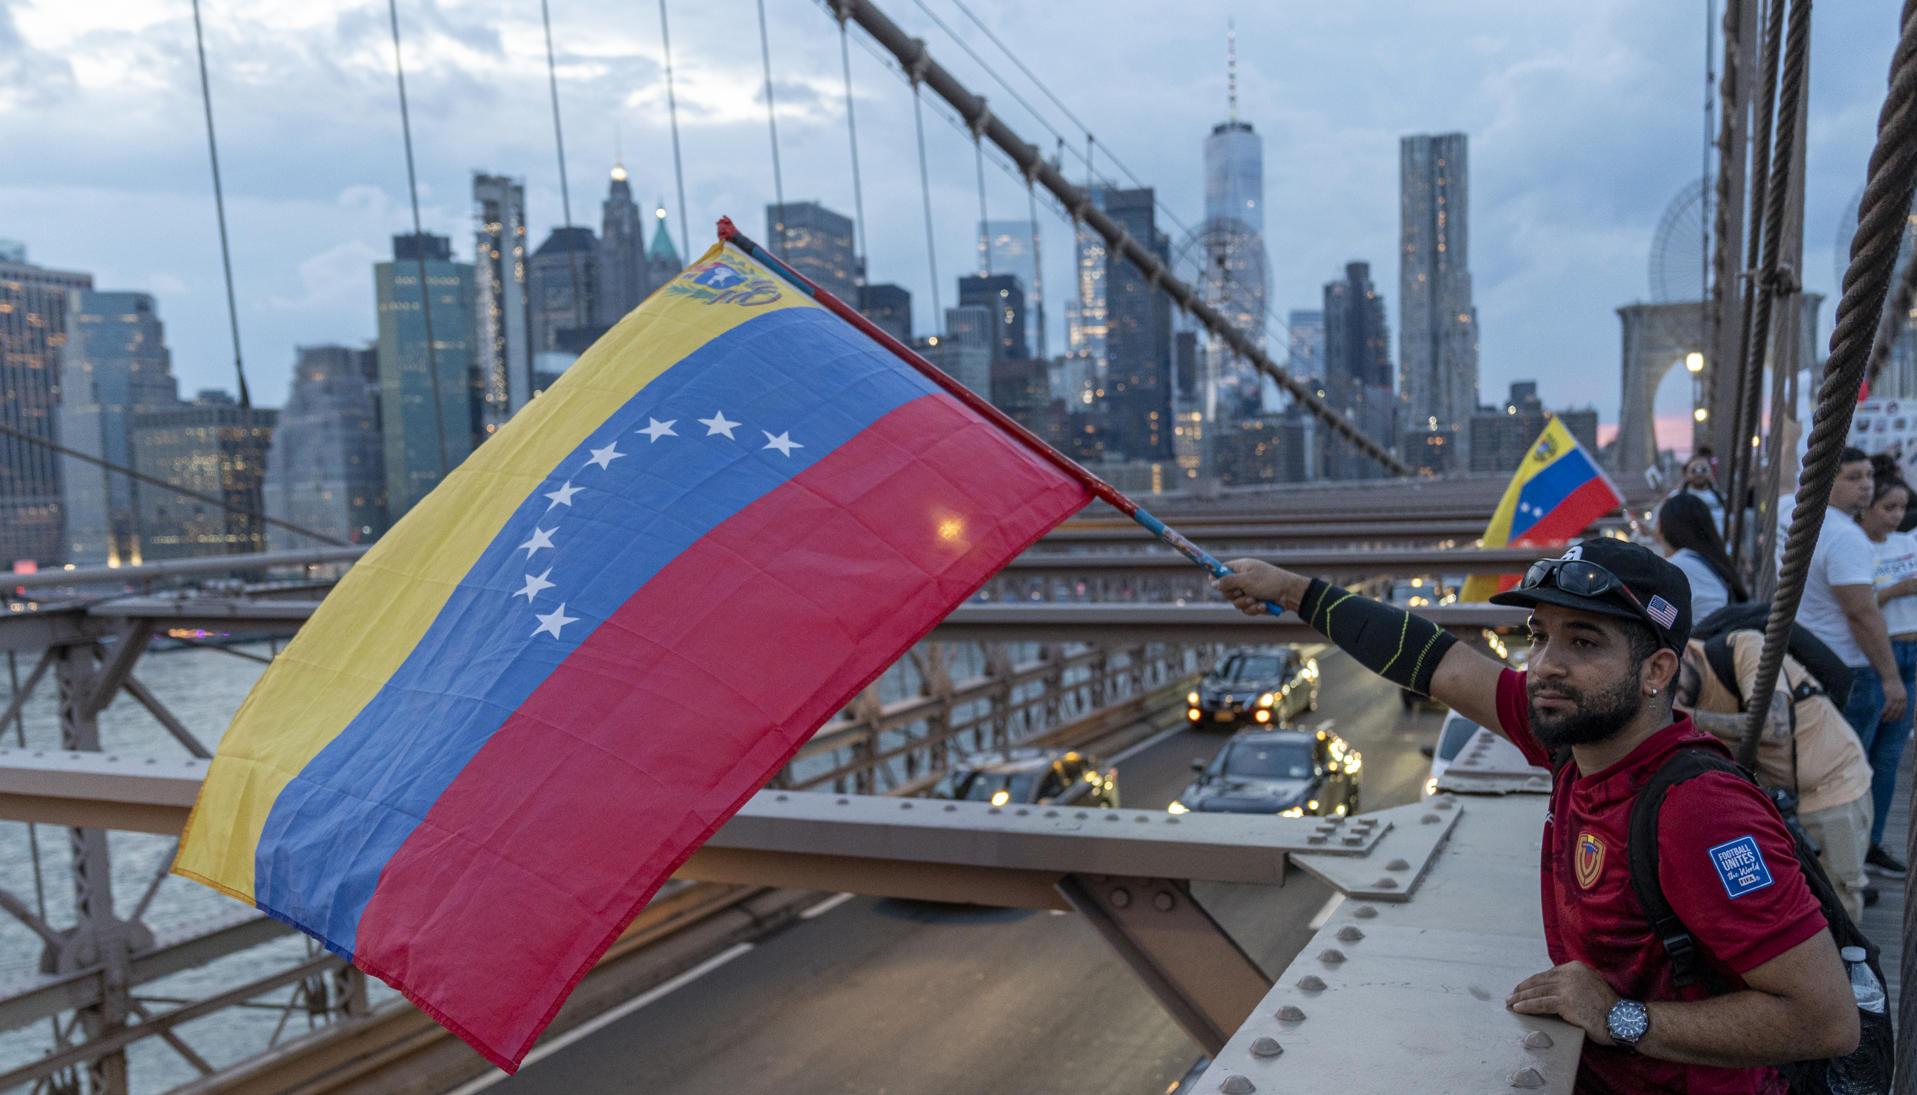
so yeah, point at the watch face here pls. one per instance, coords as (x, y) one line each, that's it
(1627, 1021)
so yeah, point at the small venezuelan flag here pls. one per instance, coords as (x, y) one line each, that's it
(1556, 494)
(580, 654)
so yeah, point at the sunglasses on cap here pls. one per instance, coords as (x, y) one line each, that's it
(1582, 578)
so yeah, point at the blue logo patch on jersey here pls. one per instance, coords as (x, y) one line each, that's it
(1741, 866)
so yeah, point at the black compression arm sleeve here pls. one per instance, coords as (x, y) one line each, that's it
(1398, 646)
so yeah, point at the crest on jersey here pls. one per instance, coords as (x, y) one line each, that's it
(1588, 859)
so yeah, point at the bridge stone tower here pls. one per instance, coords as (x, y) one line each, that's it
(1656, 338)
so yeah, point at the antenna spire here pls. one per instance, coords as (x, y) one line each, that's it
(1231, 67)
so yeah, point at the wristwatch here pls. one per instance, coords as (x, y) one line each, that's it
(1627, 1022)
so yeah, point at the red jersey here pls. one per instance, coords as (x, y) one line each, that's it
(1726, 863)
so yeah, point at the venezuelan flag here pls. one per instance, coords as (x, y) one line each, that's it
(580, 654)
(1556, 494)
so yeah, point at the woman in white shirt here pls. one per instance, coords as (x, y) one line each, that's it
(1896, 583)
(1693, 546)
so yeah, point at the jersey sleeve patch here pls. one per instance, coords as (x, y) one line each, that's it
(1740, 866)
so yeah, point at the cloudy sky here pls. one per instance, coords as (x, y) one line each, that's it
(1585, 120)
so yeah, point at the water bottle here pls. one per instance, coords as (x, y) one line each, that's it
(1863, 983)
(1853, 1075)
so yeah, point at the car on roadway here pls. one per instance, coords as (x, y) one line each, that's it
(1457, 730)
(1265, 686)
(1291, 773)
(1030, 777)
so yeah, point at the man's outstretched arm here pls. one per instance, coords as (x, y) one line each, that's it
(1403, 647)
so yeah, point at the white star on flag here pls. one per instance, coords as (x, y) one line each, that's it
(718, 424)
(659, 429)
(562, 496)
(783, 442)
(541, 538)
(604, 457)
(535, 584)
(551, 622)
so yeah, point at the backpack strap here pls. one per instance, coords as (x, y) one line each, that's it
(1687, 962)
(1717, 651)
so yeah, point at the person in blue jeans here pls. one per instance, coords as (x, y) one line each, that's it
(1895, 583)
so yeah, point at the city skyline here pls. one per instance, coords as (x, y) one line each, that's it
(1556, 251)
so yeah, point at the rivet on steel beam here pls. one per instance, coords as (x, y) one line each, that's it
(1527, 1077)
(153, 760)
(1021, 812)
(1537, 1039)
(1445, 804)
(1354, 839)
(1290, 1013)
(1349, 934)
(994, 810)
(1315, 839)
(1051, 813)
(1430, 819)
(1109, 816)
(1163, 900)
(1081, 815)
(1311, 982)
(951, 809)
(1171, 821)
(845, 802)
(1397, 865)
(780, 798)
(1142, 818)
(1387, 883)
(1236, 1085)
(1334, 821)
(905, 805)
(1122, 897)
(1266, 1047)
(1365, 912)
(1331, 956)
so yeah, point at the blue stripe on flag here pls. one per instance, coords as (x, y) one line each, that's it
(1548, 489)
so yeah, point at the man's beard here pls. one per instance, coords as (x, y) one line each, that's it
(1593, 718)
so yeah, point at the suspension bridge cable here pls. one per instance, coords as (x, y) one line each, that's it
(1873, 252)
(1038, 267)
(419, 244)
(852, 135)
(984, 241)
(1704, 192)
(155, 481)
(1779, 144)
(925, 189)
(672, 113)
(219, 208)
(772, 124)
(565, 192)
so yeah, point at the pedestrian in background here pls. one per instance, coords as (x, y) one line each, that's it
(1692, 544)
(1895, 583)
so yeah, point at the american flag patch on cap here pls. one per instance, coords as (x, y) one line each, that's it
(1661, 610)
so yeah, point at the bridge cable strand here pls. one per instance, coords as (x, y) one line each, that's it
(565, 192)
(154, 481)
(1895, 320)
(1772, 165)
(911, 55)
(925, 190)
(1724, 284)
(419, 244)
(1704, 192)
(672, 114)
(772, 124)
(219, 209)
(852, 135)
(984, 240)
(1038, 267)
(1873, 252)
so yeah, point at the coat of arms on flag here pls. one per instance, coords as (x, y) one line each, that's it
(1555, 494)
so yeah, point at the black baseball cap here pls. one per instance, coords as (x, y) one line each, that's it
(1659, 595)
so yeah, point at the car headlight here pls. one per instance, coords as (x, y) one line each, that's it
(1294, 811)
(1312, 805)
(1177, 807)
(1267, 700)
(1430, 786)
(1191, 698)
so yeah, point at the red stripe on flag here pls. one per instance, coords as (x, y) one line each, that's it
(678, 708)
(1573, 515)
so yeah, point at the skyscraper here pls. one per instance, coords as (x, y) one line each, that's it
(213, 446)
(964, 352)
(565, 289)
(889, 307)
(33, 328)
(662, 258)
(114, 365)
(1438, 324)
(1011, 247)
(1086, 318)
(1138, 352)
(409, 429)
(1306, 330)
(1003, 297)
(1357, 374)
(1229, 250)
(327, 468)
(504, 338)
(622, 251)
(816, 242)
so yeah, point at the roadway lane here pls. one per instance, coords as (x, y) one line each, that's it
(876, 996)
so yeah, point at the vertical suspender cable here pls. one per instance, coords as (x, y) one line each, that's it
(772, 124)
(1038, 268)
(219, 208)
(925, 188)
(984, 238)
(672, 113)
(419, 243)
(852, 134)
(1704, 194)
(565, 192)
